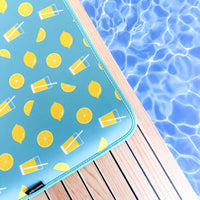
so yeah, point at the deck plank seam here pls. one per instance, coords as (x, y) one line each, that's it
(131, 188)
(85, 185)
(105, 181)
(160, 163)
(143, 171)
(66, 190)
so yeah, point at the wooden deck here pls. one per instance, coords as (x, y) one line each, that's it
(140, 168)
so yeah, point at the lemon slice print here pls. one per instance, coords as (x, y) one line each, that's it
(54, 60)
(6, 162)
(100, 67)
(85, 42)
(103, 144)
(5, 53)
(25, 9)
(30, 59)
(84, 115)
(45, 139)
(62, 167)
(16, 81)
(66, 39)
(95, 89)
(67, 88)
(3, 6)
(18, 133)
(57, 111)
(41, 35)
(117, 96)
(22, 193)
(28, 107)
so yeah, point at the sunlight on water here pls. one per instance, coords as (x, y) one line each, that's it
(156, 44)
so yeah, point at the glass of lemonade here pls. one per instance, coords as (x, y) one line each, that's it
(72, 143)
(49, 11)
(14, 32)
(79, 65)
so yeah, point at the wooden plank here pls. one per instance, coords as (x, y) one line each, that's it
(114, 177)
(133, 173)
(95, 183)
(151, 167)
(41, 196)
(58, 192)
(157, 144)
(76, 188)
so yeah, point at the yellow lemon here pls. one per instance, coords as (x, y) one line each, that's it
(85, 42)
(22, 193)
(3, 6)
(25, 9)
(30, 59)
(66, 39)
(67, 88)
(57, 111)
(84, 115)
(5, 53)
(41, 35)
(18, 133)
(103, 144)
(117, 96)
(6, 162)
(95, 89)
(28, 107)
(45, 139)
(62, 167)
(16, 81)
(54, 60)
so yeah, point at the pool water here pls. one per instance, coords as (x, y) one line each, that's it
(156, 44)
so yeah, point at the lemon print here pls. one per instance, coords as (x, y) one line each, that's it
(85, 42)
(103, 144)
(28, 107)
(30, 59)
(16, 81)
(3, 6)
(22, 193)
(100, 67)
(54, 60)
(25, 9)
(5, 53)
(41, 35)
(67, 88)
(45, 139)
(6, 162)
(117, 96)
(62, 167)
(18, 133)
(84, 115)
(57, 111)
(95, 89)
(66, 39)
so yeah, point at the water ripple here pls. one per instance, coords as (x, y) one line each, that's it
(156, 44)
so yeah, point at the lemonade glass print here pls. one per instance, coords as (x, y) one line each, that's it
(111, 118)
(41, 85)
(7, 106)
(31, 166)
(79, 65)
(14, 32)
(72, 143)
(49, 11)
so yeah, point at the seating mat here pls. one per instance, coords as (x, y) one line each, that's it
(59, 106)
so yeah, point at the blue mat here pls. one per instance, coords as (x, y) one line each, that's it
(59, 107)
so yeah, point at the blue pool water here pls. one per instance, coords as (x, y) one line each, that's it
(157, 46)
